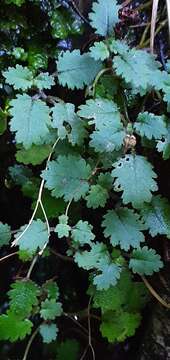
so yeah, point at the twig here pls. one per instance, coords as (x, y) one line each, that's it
(30, 343)
(155, 294)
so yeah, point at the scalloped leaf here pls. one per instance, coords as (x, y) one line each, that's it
(145, 261)
(109, 132)
(124, 228)
(30, 120)
(76, 70)
(12, 328)
(34, 238)
(156, 216)
(23, 296)
(150, 125)
(104, 16)
(48, 332)
(135, 178)
(68, 177)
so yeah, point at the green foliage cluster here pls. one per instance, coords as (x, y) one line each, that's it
(94, 157)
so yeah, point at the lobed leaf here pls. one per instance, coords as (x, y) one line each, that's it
(135, 178)
(76, 70)
(156, 216)
(30, 120)
(67, 177)
(104, 16)
(124, 228)
(145, 261)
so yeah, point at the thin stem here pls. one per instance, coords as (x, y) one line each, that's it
(62, 257)
(76, 322)
(155, 294)
(168, 14)
(30, 343)
(159, 28)
(68, 206)
(84, 352)
(89, 335)
(48, 227)
(31, 266)
(89, 329)
(8, 256)
(144, 6)
(144, 35)
(39, 202)
(97, 78)
(153, 24)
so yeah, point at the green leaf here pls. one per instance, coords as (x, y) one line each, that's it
(145, 261)
(48, 332)
(135, 178)
(25, 256)
(93, 258)
(105, 180)
(137, 67)
(118, 326)
(64, 23)
(156, 216)
(67, 177)
(164, 144)
(97, 197)
(23, 296)
(110, 273)
(150, 125)
(104, 16)
(51, 288)
(164, 85)
(30, 120)
(82, 233)
(43, 81)
(109, 132)
(124, 228)
(126, 294)
(68, 124)
(50, 309)
(12, 328)
(16, 2)
(35, 155)
(20, 77)
(69, 346)
(20, 174)
(5, 234)
(34, 238)
(100, 111)
(99, 51)
(3, 121)
(63, 229)
(76, 70)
